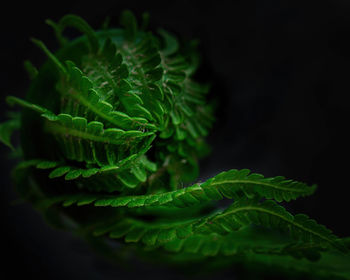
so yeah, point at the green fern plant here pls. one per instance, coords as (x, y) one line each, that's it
(112, 127)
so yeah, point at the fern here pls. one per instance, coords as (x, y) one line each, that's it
(113, 125)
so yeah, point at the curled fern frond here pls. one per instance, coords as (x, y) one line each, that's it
(112, 128)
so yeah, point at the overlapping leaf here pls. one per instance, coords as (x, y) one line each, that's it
(6, 130)
(123, 92)
(231, 184)
(241, 214)
(88, 141)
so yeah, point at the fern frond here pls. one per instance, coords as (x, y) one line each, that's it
(231, 184)
(50, 55)
(31, 69)
(171, 44)
(94, 101)
(128, 20)
(270, 214)
(6, 130)
(241, 214)
(114, 126)
(80, 24)
(90, 142)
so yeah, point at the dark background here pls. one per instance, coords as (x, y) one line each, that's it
(280, 70)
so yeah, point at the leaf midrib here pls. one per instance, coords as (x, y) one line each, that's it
(292, 222)
(60, 129)
(104, 116)
(275, 186)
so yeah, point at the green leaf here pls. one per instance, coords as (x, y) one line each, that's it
(128, 20)
(145, 21)
(272, 215)
(154, 74)
(171, 44)
(102, 127)
(151, 166)
(139, 173)
(31, 69)
(45, 164)
(207, 233)
(12, 100)
(6, 130)
(80, 24)
(73, 174)
(50, 55)
(59, 171)
(85, 141)
(231, 184)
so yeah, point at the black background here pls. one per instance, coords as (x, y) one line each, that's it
(280, 71)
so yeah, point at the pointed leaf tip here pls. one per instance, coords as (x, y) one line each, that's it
(128, 20)
(50, 55)
(31, 69)
(58, 31)
(6, 131)
(79, 23)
